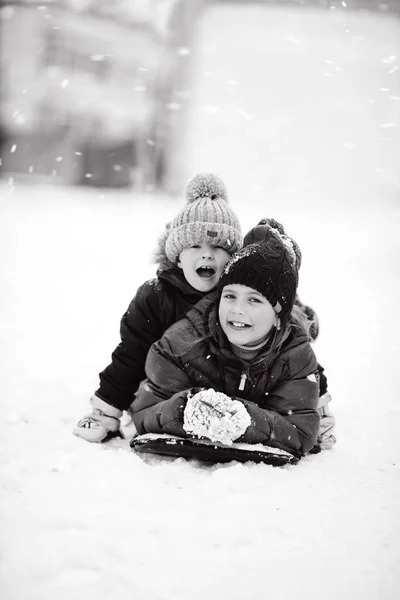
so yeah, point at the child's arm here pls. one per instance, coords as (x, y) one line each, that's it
(159, 405)
(289, 417)
(143, 323)
(326, 438)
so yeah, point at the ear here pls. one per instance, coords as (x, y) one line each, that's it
(178, 263)
(277, 323)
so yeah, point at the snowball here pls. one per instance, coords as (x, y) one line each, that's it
(215, 416)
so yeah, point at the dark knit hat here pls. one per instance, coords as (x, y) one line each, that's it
(207, 218)
(264, 229)
(269, 266)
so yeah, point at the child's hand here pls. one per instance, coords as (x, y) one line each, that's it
(101, 424)
(326, 437)
(215, 416)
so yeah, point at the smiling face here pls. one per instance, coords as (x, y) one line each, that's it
(202, 265)
(245, 315)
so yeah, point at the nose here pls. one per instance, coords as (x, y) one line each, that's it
(237, 309)
(208, 253)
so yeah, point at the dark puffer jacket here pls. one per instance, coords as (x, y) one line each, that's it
(280, 390)
(158, 304)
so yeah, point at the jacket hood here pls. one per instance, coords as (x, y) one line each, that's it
(159, 254)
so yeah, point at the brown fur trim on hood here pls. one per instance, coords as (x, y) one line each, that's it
(159, 255)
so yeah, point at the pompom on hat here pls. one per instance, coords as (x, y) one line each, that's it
(269, 264)
(264, 229)
(206, 218)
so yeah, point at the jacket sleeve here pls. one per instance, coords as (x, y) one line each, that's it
(159, 405)
(288, 418)
(143, 323)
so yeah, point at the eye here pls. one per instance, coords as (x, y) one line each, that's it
(229, 296)
(254, 300)
(219, 247)
(195, 246)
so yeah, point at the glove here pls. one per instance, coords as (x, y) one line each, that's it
(326, 438)
(102, 424)
(215, 416)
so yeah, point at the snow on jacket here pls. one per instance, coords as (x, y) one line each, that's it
(157, 304)
(279, 390)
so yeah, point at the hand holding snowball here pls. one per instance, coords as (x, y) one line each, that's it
(215, 416)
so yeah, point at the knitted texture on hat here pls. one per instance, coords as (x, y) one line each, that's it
(270, 267)
(207, 218)
(264, 229)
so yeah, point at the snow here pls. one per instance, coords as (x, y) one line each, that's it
(82, 520)
(215, 416)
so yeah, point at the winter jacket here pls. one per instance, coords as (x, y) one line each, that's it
(157, 304)
(279, 389)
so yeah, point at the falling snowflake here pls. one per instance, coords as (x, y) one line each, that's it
(183, 51)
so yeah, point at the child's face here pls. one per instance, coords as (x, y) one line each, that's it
(202, 265)
(245, 315)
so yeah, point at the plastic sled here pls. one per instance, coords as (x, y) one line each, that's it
(204, 450)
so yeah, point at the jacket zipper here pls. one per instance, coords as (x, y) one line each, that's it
(242, 382)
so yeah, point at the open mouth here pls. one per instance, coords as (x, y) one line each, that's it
(238, 325)
(205, 272)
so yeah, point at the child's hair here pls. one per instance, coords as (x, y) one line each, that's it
(206, 218)
(297, 321)
(300, 319)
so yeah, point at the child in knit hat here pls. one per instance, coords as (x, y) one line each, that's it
(239, 367)
(193, 251)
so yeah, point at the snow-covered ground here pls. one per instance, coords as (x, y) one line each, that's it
(82, 520)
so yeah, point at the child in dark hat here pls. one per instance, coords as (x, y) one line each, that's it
(239, 366)
(193, 251)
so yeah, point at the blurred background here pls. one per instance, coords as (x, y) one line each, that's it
(276, 96)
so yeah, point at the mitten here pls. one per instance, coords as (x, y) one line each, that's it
(102, 424)
(326, 438)
(215, 416)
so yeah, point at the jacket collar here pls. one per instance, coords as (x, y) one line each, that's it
(175, 277)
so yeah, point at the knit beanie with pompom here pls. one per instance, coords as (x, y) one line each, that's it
(207, 218)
